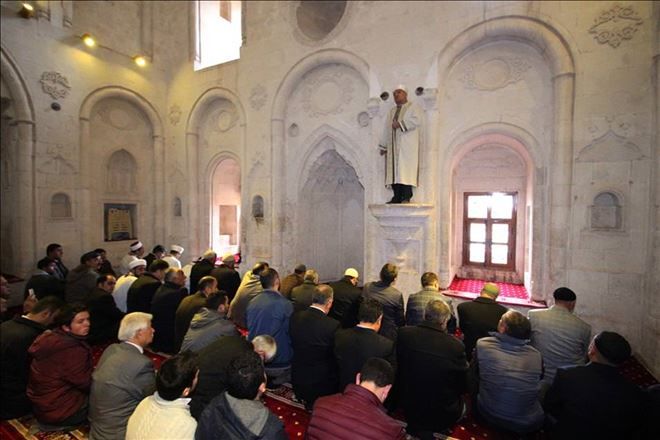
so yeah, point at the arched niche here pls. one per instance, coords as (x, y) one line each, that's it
(60, 206)
(177, 209)
(215, 129)
(17, 188)
(606, 212)
(258, 208)
(555, 164)
(330, 216)
(110, 117)
(225, 205)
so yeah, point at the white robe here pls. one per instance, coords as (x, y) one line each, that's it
(402, 145)
(173, 261)
(123, 266)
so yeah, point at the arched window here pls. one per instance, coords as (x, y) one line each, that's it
(606, 212)
(60, 206)
(218, 32)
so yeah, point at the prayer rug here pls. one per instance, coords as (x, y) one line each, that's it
(507, 290)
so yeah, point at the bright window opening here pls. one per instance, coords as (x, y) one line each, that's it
(489, 230)
(218, 32)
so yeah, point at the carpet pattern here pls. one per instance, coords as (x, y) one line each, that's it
(507, 290)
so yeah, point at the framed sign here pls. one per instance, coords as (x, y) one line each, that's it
(119, 220)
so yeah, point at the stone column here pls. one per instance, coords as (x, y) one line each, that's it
(84, 189)
(25, 222)
(561, 178)
(158, 218)
(277, 192)
(428, 162)
(192, 140)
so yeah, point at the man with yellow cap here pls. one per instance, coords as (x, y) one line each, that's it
(400, 141)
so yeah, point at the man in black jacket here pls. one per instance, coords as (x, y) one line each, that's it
(355, 345)
(164, 304)
(214, 360)
(480, 316)
(143, 289)
(594, 400)
(347, 299)
(314, 368)
(190, 305)
(390, 297)
(104, 316)
(202, 268)
(227, 277)
(16, 336)
(432, 372)
(44, 282)
(238, 413)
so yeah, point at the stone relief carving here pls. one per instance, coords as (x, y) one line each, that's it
(57, 171)
(373, 107)
(55, 84)
(495, 73)
(610, 147)
(327, 93)
(258, 97)
(363, 119)
(118, 117)
(616, 24)
(226, 119)
(175, 114)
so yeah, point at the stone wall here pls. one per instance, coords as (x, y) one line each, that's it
(570, 89)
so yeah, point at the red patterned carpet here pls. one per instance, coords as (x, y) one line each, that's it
(294, 416)
(474, 286)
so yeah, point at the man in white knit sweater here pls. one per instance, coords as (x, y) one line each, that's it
(165, 415)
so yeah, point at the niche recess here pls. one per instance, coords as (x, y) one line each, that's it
(606, 212)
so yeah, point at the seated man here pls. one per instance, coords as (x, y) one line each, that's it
(302, 295)
(347, 299)
(594, 400)
(123, 377)
(16, 336)
(44, 282)
(209, 324)
(385, 293)
(103, 312)
(479, 317)
(164, 304)
(292, 280)
(507, 373)
(190, 305)
(358, 412)
(202, 268)
(82, 279)
(165, 414)
(136, 268)
(560, 336)
(227, 277)
(268, 314)
(142, 291)
(353, 346)
(238, 413)
(213, 362)
(417, 302)
(432, 373)
(314, 369)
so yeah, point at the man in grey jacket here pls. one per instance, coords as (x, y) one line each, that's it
(209, 323)
(123, 377)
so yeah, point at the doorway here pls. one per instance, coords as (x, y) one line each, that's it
(225, 207)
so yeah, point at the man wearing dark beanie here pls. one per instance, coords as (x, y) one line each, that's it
(560, 336)
(594, 400)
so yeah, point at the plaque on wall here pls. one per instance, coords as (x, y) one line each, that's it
(119, 221)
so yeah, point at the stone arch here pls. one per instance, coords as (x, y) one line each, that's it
(20, 259)
(197, 186)
(341, 143)
(557, 172)
(525, 147)
(86, 155)
(288, 85)
(208, 194)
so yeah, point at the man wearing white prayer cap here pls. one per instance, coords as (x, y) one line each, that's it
(173, 258)
(400, 142)
(135, 251)
(124, 282)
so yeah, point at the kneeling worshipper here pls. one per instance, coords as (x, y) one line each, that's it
(61, 372)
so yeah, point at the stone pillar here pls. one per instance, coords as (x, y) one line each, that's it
(428, 162)
(25, 222)
(403, 235)
(158, 218)
(192, 140)
(277, 192)
(84, 188)
(561, 178)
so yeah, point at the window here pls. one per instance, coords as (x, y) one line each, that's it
(489, 230)
(218, 33)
